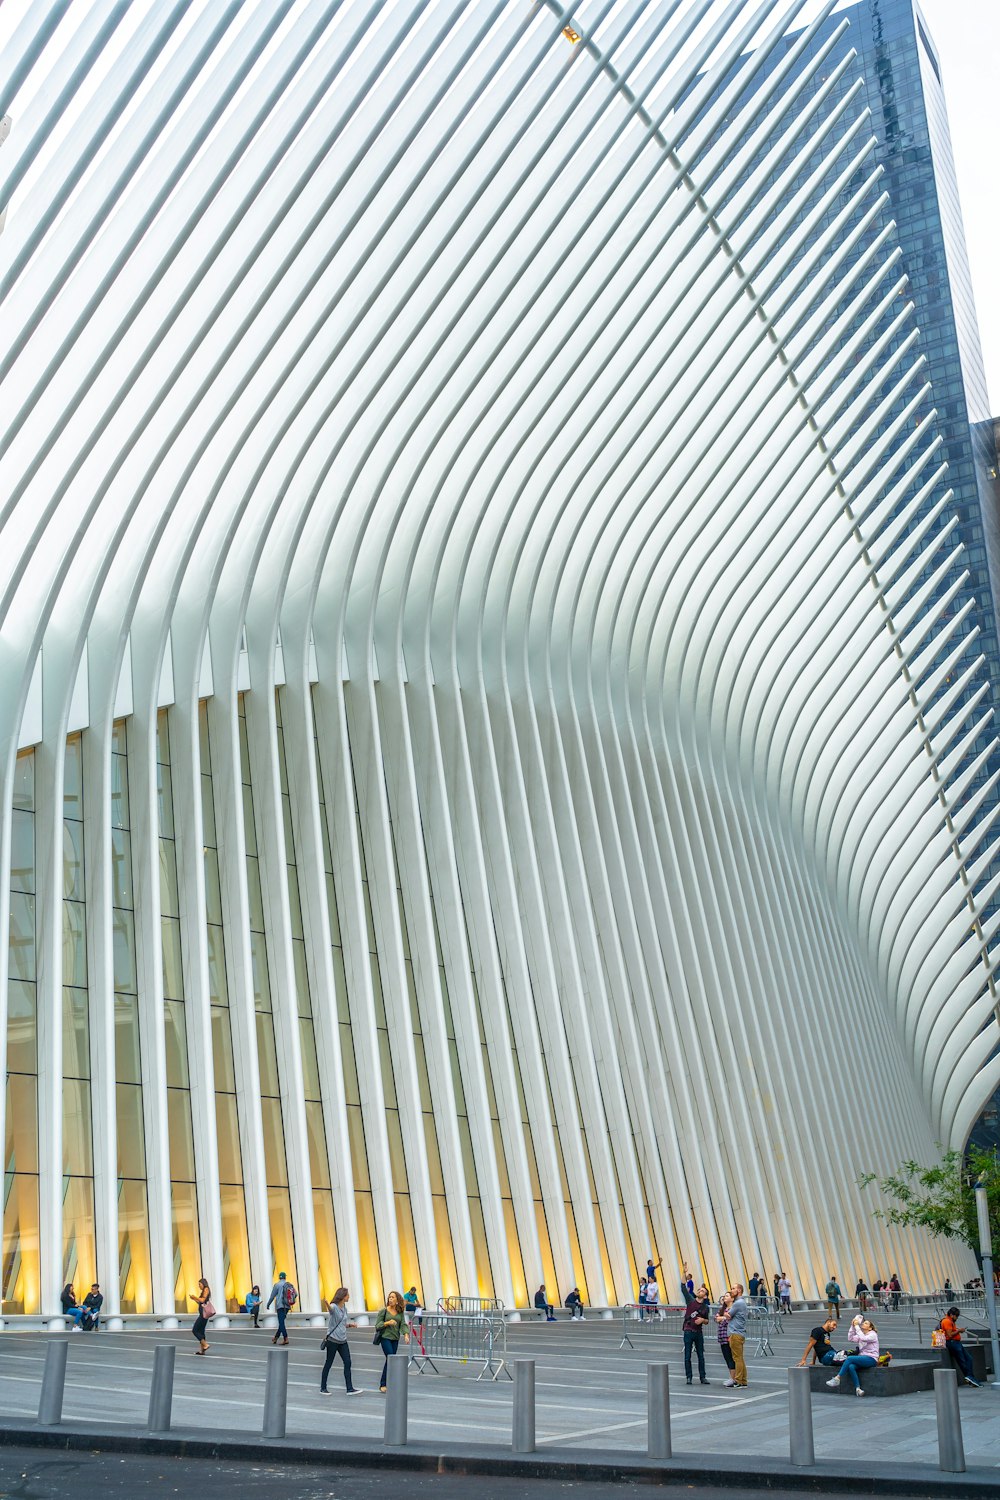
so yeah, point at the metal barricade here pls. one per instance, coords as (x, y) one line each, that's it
(640, 1318)
(467, 1338)
(760, 1325)
(474, 1307)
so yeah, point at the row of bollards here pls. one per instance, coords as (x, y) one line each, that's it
(801, 1447)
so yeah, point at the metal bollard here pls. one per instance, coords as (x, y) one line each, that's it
(275, 1393)
(397, 1392)
(50, 1402)
(161, 1391)
(658, 1444)
(801, 1449)
(951, 1449)
(523, 1436)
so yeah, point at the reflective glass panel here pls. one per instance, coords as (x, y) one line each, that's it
(121, 866)
(318, 1161)
(274, 1143)
(326, 1245)
(22, 1055)
(22, 851)
(168, 879)
(79, 1246)
(21, 930)
(266, 1055)
(78, 1153)
(181, 1135)
(123, 934)
(235, 1247)
(187, 1252)
(119, 792)
(21, 1124)
(229, 1139)
(24, 780)
(74, 943)
(76, 1041)
(20, 1287)
(73, 783)
(131, 1153)
(222, 1050)
(282, 1240)
(135, 1280)
(175, 1038)
(127, 1039)
(170, 942)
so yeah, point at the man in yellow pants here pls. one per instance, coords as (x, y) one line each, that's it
(737, 1335)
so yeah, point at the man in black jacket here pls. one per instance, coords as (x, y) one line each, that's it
(695, 1318)
(92, 1304)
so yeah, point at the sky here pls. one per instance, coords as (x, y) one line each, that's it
(967, 36)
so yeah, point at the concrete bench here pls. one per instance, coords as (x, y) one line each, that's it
(941, 1359)
(902, 1378)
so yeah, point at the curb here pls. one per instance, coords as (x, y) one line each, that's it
(746, 1473)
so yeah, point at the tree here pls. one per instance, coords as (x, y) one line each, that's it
(941, 1199)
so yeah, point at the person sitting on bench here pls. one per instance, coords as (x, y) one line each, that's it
(544, 1305)
(953, 1343)
(575, 1304)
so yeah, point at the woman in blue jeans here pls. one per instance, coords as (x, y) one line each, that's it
(864, 1335)
(390, 1327)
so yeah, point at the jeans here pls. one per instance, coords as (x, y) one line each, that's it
(739, 1363)
(332, 1350)
(694, 1339)
(727, 1355)
(961, 1357)
(825, 1359)
(576, 1309)
(388, 1346)
(855, 1362)
(546, 1308)
(282, 1332)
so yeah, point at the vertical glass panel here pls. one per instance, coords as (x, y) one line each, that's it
(74, 943)
(213, 889)
(123, 949)
(274, 1143)
(222, 1050)
(407, 1241)
(310, 1068)
(217, 988)
(266, 1055)
(208, 812)
(121, 867)
(131, 1152)
(22, 1049)
(187, 1252)
(484, 1271)
(326, 1245)
(445, 1249)
(279, 1210)
(235, 1246)
(21, 1124)
(22, 852)
(119, 739)
(78, 1153)
(258, 959)
(76, 1039)
(119, 792)
(181, 1135)
(175, 1037)
(301, 977)
(244, 746)
(79, 1245)
(319, 1164)
(21, 941)
(24, 780)
(294, 903)
(162, 738)
(249, 831)
(164, 801)
(256, 900)
(204, 738)
(168, 879)
(127, 1042)
(359, 1156)
(73, 784)
(371, 1270)
(227, 1126)
(20, 1288)
(170, 944)
(135, 1280)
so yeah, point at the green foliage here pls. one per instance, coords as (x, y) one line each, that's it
(941, 1199)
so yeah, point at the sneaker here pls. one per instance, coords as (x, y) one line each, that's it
(583, 1317)
(689, 1380)
(704, 1382)
(76, 1328)
(357, 1391)
(323, 1391)
(969, 1381)
(729, 1382)
(859, 1392)
(833, 1384)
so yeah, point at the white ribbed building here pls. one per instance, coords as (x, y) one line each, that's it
(484, 790)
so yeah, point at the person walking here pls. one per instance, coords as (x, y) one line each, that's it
(252, 1305)
(574, 1302)
(390, 1327)
(785, 1293)
(737, 1335)
(544, 1305)
(722, 1333)
(284, 1296)
(865, 1335)
(336, 1343)
(953, 1343)
(895, 1287)
(833, 1297)
(695, 1319)
(819, 1345)
(861, 1294)
(203, 1298)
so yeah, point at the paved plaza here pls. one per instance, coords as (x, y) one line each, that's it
(591, 1396)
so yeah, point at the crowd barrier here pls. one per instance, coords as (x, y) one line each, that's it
(465, 1338)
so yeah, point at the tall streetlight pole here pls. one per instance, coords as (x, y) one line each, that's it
(989, 1292)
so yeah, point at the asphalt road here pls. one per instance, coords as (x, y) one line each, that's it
(27, 1474)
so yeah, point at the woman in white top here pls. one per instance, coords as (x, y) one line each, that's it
(653, 1299)
(864, 1335)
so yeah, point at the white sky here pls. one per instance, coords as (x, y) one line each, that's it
(967, 36)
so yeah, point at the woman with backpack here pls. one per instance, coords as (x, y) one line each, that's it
(203, 1298)
(390, 1327)
(284, 1296)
